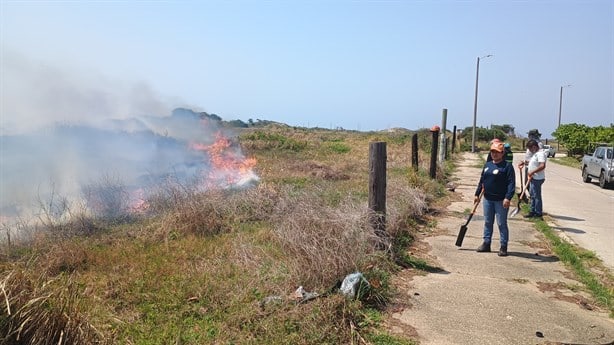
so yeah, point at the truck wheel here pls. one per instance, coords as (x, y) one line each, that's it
(585, 177)
(602, 181)
(554, 154)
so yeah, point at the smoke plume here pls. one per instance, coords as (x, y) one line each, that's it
(67, 139)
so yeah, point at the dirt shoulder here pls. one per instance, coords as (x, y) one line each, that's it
(528, 297)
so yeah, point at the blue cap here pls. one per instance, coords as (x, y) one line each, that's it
(507, 145)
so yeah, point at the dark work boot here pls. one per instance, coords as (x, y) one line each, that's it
(503, 251)
(484, 248)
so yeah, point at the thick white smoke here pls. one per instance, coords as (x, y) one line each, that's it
(36, 94)
(69, 137)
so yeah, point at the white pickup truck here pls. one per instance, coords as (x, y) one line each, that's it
(550, 151)
(599, 165)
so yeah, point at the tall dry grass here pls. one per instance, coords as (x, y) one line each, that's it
(326, 243)
(184, 211)
(311, 229)
(405, 203)
(38, 311)
(323, 243)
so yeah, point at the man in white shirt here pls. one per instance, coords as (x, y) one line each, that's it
(535, 171)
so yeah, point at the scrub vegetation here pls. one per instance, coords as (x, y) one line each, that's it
(228, 266)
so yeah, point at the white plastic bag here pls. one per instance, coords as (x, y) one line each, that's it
(351, 283)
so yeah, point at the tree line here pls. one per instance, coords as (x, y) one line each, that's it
(580, 139)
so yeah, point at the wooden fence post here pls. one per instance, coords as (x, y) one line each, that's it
(8, 242)
(377, 186)
(443, 147)
(453, 138)
(414, 151)
(433, 169)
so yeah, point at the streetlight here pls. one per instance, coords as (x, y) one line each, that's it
(561, 103)
(475, 103)
(558, 146)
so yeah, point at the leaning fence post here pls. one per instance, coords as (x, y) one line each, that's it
(377, 186)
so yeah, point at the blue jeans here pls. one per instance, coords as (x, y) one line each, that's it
(535, 192)
(494, 208)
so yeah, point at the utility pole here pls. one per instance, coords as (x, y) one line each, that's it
(558, 146)
(475, 102)
(561, 104)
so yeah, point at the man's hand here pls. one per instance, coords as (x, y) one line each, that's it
(521, 165)
(476, 199)
(506, 203)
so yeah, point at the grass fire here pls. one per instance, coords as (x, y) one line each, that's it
(186, 231)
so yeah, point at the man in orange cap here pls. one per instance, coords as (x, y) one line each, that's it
(498, 180)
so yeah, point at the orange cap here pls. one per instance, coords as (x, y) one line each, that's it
(497, 146)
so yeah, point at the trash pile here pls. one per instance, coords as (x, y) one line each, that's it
(351, 286)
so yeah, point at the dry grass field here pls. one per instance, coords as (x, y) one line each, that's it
(223, 265)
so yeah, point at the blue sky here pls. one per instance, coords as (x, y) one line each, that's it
(364, 65)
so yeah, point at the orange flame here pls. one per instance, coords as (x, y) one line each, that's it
(228, 165)
(138, 202)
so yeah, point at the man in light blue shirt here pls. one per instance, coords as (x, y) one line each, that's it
(536, 166)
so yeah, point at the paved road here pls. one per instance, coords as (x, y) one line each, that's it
(583, 211)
